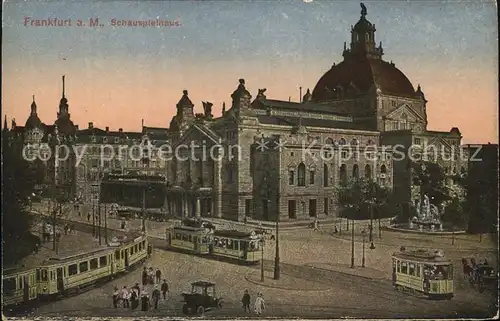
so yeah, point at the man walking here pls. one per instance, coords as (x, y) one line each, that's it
(164, 289)
(156, 296)
(125, 297)
(158, 276)
(246, 301)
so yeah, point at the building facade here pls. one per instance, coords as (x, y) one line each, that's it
(264, 157)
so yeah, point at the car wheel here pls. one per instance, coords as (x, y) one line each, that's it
(185, 309)
(200, 311)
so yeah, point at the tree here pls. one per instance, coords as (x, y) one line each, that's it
(359, 194)
(18, 179)
(454, 213)
(432, 181)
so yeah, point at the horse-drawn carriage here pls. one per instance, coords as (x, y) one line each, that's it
(481, 275)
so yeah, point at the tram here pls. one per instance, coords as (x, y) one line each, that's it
(423, 272)
(240, 246)
(62, 275)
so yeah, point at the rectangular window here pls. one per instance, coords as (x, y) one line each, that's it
(136, 248)
(292, 209)
(93, 264)
(248, 207)
(311, 177)
(411, 269)
(312, 208)
(103, 261)
(404, 267)
(416, 141)
(291, 177)
(399, 267)
(21, 283)
(84, 267)
(418, 270)
(117, 255)
(72, 269)
(38, 275)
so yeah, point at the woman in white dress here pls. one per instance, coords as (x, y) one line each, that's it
(259, 304)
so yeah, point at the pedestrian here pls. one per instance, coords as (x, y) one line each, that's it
(115, 297)
(259, 304)
(151, 275)
(246, 301)
(125, 297)
(137, 288)
(156, 296)
(144, 277)
(88, 217)
(144, 300)
(158, 276)
(164, 289)
(134, 298)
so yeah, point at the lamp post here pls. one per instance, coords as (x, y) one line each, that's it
(99, 221)
(144, 209)
(262, 242)
(363, 233)
(105, 223)
(371, 221)
(352, 244)
(93, 215)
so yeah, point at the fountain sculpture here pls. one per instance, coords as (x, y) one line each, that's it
(427, 215)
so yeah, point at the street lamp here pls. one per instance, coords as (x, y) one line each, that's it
(352, 244)
(363, 233)
(262, 243)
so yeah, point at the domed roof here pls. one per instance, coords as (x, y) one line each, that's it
(357, 76)
(65, 126)
(33, 122)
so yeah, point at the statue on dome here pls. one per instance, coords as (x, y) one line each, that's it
(363, 9)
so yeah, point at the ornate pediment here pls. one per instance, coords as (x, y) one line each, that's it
(199, 133)
(405, 112)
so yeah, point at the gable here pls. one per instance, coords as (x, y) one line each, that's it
(411, 114)
(198, 133)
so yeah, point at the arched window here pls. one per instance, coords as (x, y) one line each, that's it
(368, 172)
(343, 175)
(301, 175)
(325, 175)
(342, 141)
(329, 141)
(383, 169)
(354, 142)
(355, 171)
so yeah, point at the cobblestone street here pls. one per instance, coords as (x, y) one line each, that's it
(316, 278)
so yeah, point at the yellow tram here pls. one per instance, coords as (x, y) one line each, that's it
(423, 272)
(192, 239)
(18, 286)
(242, 246)
(66, 274)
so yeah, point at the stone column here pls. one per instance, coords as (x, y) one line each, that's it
(198, 207)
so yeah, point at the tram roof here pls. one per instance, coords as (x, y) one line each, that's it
(189, 228)
(423, 256)
(233, 233)
(74, 257)
(11, 271)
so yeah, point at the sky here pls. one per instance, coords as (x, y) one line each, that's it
(116, 76)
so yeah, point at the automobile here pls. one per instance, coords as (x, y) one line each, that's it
(487, 278)
(201, 299)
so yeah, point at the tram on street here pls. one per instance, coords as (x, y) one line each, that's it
(203, 239)
(63, 275)
(423, 272)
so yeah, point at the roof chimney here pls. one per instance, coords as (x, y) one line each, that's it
(91, 125)
(107, 129)
(76, 126)
(120, 130)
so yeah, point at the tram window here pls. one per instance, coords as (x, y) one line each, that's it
(411, 269)
(9, 285)
(21, 283)
(103, 261)
(216, 241)
(131, 249)
(442, 272)
(93, 264)
(235, 245)
(189, 238)
(399, 267)
(184, 237)
(143, 244)
(178, 236)
(84, 267)
(38, 275)
(404, 267)
(195, 239)
(418, 270)
(136, 248)
(230, 244)
(72, 269)
(243, 245)
(204, 240)
(117, 255)
(52, 275)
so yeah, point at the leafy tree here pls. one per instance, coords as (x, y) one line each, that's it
(359, 194)
(18, 179)
(454, 213)
(432, 181)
